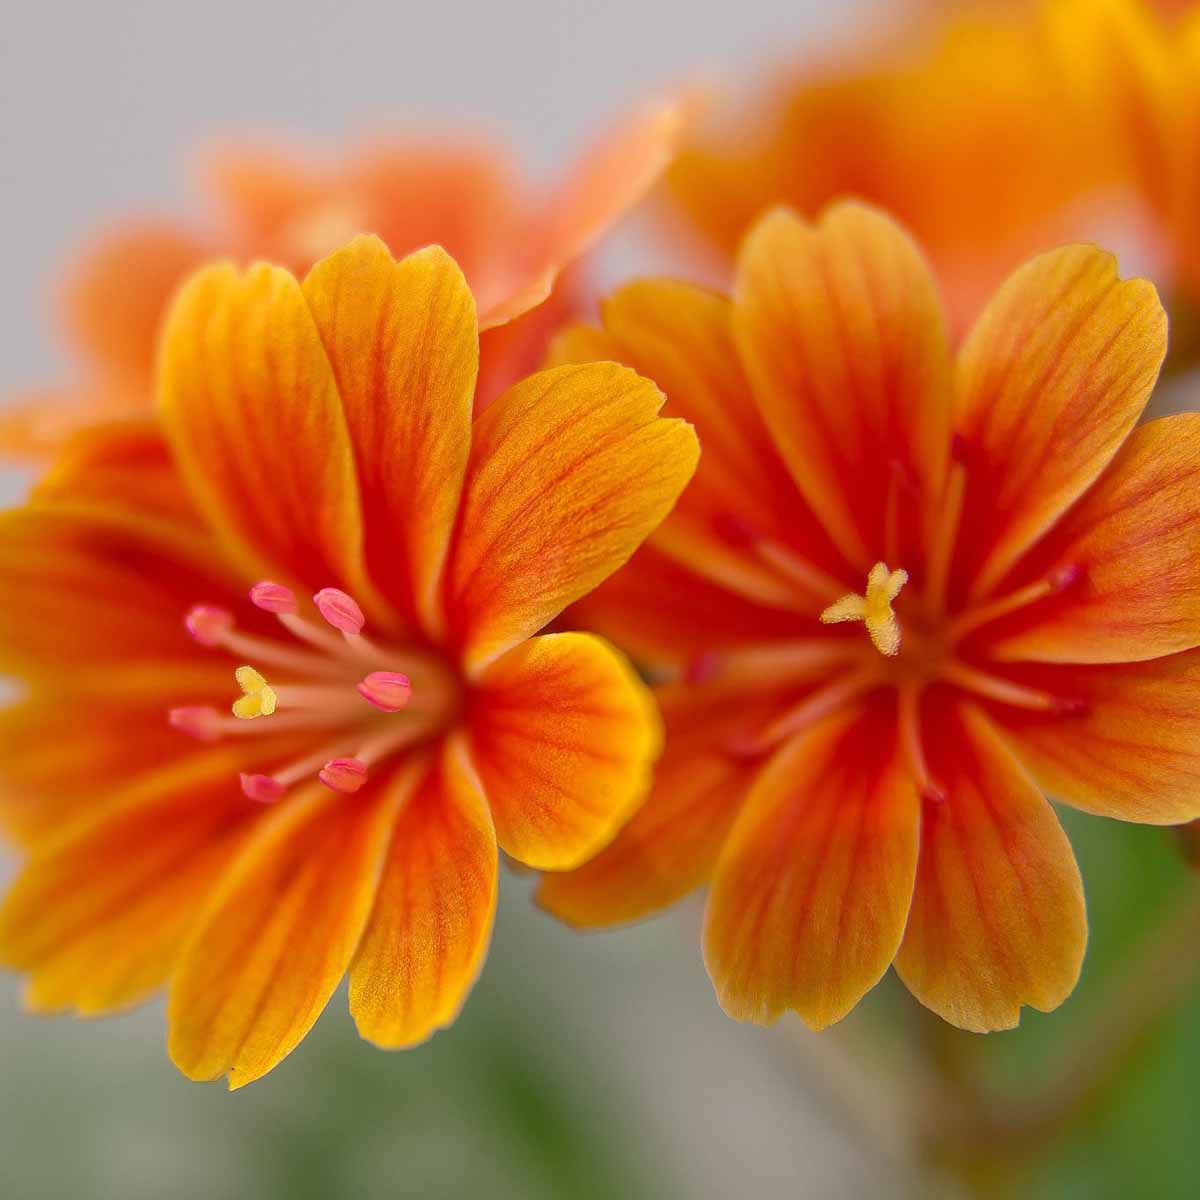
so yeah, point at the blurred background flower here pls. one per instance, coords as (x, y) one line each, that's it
(546, 1087)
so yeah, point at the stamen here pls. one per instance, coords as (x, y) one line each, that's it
(263, 789)
(909, 718)
(344, 775)
(816, 705)
(1004, 691)
(198, 721)
(273, 597)
(340, 610)
(389, 691)
(783, 559)
(874, 608)
(773, 662)
(945, 533)
(1058, 581)
(208, 624)
(258, 698)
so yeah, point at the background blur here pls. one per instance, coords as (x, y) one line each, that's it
(588, 1067)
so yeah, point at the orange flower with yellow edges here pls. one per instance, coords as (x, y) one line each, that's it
(907, 594)
(457, 192)
(963, 130)
(388, 733)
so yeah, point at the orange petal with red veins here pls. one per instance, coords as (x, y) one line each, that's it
(250, 405)
(97, 916)
(278, 935)
(812, 889)
(124, 465)
(100, 593)
(609, 179)
(564, 736)
(671, 843)
(1135, 537)
(570, 470)
(997, 918)
(118, 294)
(1050, 381)
(843, 338)
(429, 932)
(662, 612)
(1134, 751)
(404, 346)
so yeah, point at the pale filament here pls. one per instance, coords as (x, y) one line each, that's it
(817, 705)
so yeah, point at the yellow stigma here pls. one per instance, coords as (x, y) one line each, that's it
(874, 609)
(258, 697)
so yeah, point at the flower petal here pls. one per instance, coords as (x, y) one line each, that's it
(570, 470)
(97, 916)
(564, 736)
(429, 932)
(119, 292)
(1133, 753)
(404, 346)
(250, 405)
(843, 338)
(1135, 537)
(670, 845)
(278, 935)
(997, 919)
(812, 889)
(1050, 381)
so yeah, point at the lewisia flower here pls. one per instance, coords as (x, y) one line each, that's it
(961, 130)
(317, 779)
(907, 593)
(458, 193)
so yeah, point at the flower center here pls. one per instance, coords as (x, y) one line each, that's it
(365, 701)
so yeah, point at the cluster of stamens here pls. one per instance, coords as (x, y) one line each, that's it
(906, 654)
(339, 683)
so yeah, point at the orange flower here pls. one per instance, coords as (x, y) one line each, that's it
(411, 192)
(906, 592)
(962, 131)
(389, 734)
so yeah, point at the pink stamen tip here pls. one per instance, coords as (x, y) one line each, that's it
(1062, 578)
(208, 624)
(340, 610)
(273, 597)
(387, 690)
(197, 721)
(958, 448)
(700, 668)
(736, 530)
(1072, 708)
(344, 775)
(262, 789)
(933, 793)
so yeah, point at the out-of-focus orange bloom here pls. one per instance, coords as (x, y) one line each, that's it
(389, 733)
(462, 195)
(1137, 73)
(906, 592)
(963, 131)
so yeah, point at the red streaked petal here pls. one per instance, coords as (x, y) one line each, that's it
(997, 918)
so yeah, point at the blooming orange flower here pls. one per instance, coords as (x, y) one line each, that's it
(963, 131)
(293, 210)
(390, 732)
(905, 593)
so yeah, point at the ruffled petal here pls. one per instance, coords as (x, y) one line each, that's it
(98, 914)
(570, 470)
(250, 405)
(278, 935)
(563, 735)
(1135, 540)
(1133, 752)
(1050, 381)
(429, 932)
(997, 918)
(843, 338)
(404, 346)
(812, 889)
